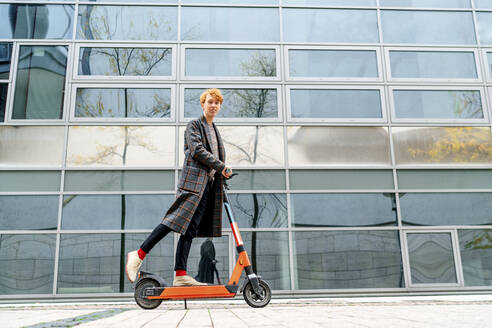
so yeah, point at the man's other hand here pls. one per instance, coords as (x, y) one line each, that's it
(227, 171)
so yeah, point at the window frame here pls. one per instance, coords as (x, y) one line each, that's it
(226, 120)
(488, 69)
(101, 120)
(185, 46)
(459, 122)
(97, 78)
(390, 77)
(8, 82)
(379, 61)
(382, 120)
(13, 76)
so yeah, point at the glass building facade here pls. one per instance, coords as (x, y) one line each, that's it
(361, 130)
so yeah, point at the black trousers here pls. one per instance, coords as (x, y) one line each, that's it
(184, 242)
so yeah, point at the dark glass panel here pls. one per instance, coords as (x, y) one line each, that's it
(27, 263)
(431, 258)
(123, 103)
(203, 251)
(5, 58)
(347, 259)
(40, 84)
(29, 212)
(4, 87)
(446, 208)
(114, 211)
(248, 103)
(258, 210)
(476, 256)
(343, 210)
(340, 179)
(22, 21)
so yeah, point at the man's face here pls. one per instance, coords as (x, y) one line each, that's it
(211, 106)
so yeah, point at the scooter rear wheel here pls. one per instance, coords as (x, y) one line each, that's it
(257, 301)
(140, 297)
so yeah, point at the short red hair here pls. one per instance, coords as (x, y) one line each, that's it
(215, 93)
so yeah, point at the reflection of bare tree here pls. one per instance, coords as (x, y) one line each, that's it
(482, 239)
(467, 104)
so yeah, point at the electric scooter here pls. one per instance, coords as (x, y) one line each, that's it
(151, 289)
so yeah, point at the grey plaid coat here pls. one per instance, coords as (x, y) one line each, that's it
(198, 162)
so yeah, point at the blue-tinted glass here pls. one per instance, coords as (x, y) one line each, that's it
(484, 24)
(436, 65)
(40, 83)
(444, 179)
(5, 58)
(127, 23)
(426, 3)
(114, 211)
(251, 103)
(347, 259)
(318, 103)
(21, 21)
(125, 61)
(489, 60)
(483, 4)
(230, 24)
(230, 62)
(427, 27)
(343, 210)
(453, 104)
(330, 2)
(476, 256)
(27, 263)
(123, 103)
(332, 63)
(446, 208)
(239, 2)
(29, 212)
(330, 25)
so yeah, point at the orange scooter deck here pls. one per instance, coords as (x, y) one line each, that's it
(194, 292)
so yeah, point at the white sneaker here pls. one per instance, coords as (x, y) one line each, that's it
(133, 264)
(180, 281)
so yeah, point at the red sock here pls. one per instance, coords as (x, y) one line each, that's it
(180, 273)
(141, 254)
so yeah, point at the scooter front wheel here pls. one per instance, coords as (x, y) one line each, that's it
(140, 297)
(257, 301)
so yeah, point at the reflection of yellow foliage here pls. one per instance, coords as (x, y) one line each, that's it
(457, 144)
(482, 241)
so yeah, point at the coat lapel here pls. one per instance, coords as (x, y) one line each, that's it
(207, 133)
(209, 138)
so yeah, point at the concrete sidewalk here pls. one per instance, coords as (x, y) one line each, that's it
(418, 311)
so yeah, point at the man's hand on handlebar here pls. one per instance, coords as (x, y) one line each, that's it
(227, 172)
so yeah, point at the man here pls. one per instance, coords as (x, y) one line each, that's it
(197, 210)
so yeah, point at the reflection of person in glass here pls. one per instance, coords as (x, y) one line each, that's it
(197, 210)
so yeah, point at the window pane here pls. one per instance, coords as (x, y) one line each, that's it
(427, 27)
(489, 60)
(431, 258)
(258, 210)
(120, 146)
(433, 65)
(123, 103)
(330, 25)
(330, 2)
(347, 259)
(30, 180)
(239, 2)
(482, 4)
(335, 104)
(426, 3)
(3, 100)
(250, 103)
(343, 210)
(27, 264)
(127, 23)
(28, 212)
(446, 208)
(333, 63)
(269, 255)
(114, 211)
(438, 104)
(316, 145)
(230, 24)
(203, 251)
(125, 61)
(444, 179)
(5, 58)
(484, 22)
(21, 21)
(442, 145)
(476, 256)
(340, 179)
(31, 145)
(230, 62)
(119, 180)
(258, 179)
(40, 84)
